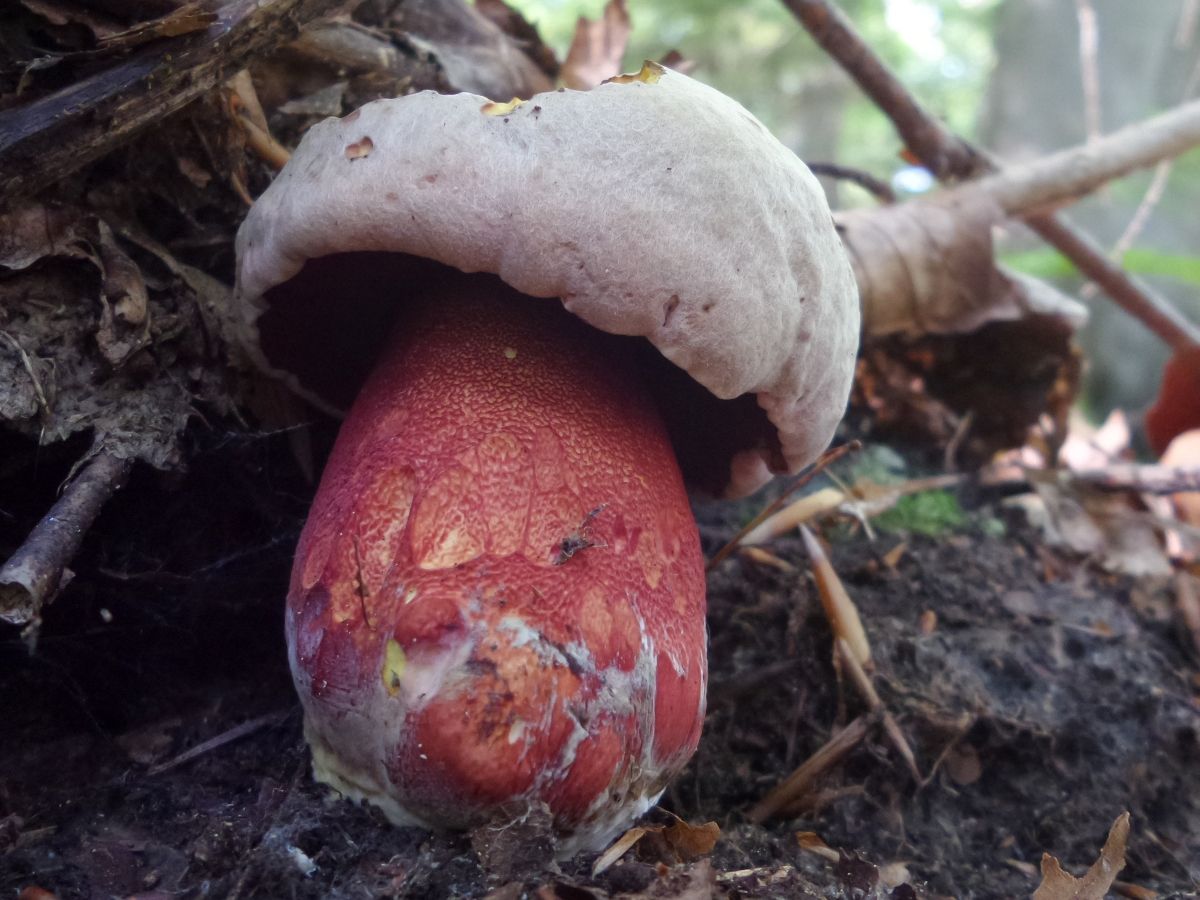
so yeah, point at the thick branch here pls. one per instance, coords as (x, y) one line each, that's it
(1072, 173)
(33, 574)
(943, 154)
(55, 135)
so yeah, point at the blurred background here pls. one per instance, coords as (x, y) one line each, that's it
(1020, 77)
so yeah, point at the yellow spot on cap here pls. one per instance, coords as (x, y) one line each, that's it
(510, 352)
(649, 74)
(492, 108)
(394, 661)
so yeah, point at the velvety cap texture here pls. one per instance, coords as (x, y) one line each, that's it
(652, 206)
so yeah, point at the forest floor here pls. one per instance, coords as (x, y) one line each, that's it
(1042, 697)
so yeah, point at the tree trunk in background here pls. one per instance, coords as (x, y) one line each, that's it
(1035, 102)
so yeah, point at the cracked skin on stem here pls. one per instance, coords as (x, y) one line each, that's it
(498, 598)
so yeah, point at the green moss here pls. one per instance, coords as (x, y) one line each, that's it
(930, 512)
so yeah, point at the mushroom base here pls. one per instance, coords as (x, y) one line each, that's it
(498, 599)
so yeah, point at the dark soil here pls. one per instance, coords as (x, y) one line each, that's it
(1045, 698)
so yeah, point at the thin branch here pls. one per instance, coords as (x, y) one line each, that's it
(866, 689)
(1089, 69)
(33, 575)
(1131, 294)
(800, 782)
(55, 135)
(947, 156)
(828, 458)
(876, 187)
(944, 153)
(1145, 209)
(1069, 174)
(226, 737)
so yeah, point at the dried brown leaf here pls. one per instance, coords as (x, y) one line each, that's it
(1058, 884)
(1097, 524)
(597, 48)
(839, 608)
(928, 267)
(33, 232)
(690, 842)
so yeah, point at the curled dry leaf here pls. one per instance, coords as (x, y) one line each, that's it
(928, 267)
(597, 48)
(690, 842)
(1058, 884)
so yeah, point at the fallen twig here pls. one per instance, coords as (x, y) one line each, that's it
(793, 788)
(225, 737)
(828, 458)
(1142, 478)
(948, 156)
(34, 574)
(866, 689)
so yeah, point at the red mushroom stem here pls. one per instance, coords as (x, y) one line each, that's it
(498, 598)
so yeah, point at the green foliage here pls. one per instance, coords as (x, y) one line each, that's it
(1139, 260)
(930, 512)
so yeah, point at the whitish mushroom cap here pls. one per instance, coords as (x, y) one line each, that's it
(652, 205)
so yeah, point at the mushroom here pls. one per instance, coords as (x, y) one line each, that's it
(498, 598)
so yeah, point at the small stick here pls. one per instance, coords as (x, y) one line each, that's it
(1146, 479)
(800, 782)
(214, 743)
(862, 682)
(33, 575)
(1140, 477)
(876, 187)
(1129, 293)
(828, 458)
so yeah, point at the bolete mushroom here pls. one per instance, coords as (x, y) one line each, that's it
(498, 598)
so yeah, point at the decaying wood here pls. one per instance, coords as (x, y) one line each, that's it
(33, 575)
(51, 137)
(950, 157)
